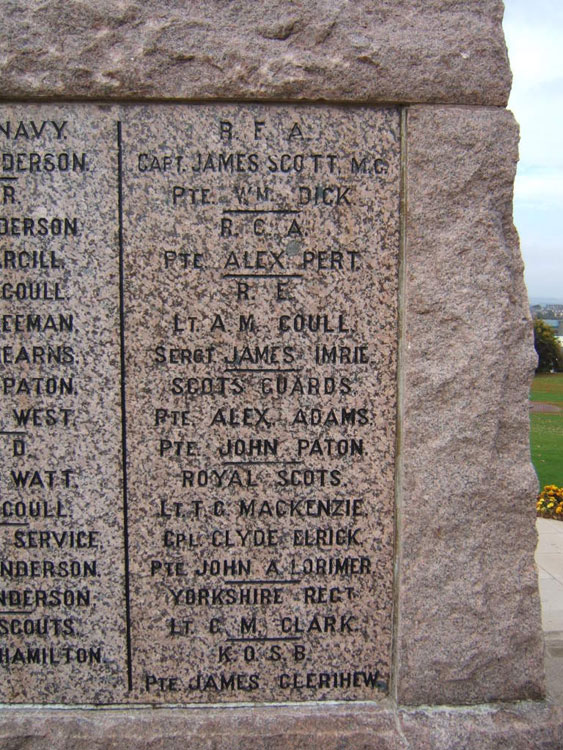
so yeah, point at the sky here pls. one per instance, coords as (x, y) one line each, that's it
(534, 36)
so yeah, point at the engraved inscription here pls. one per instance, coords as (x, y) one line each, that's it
(198, 354)
(261, 255)
(61, 559)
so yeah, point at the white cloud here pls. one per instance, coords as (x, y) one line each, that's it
(542, 190)
(535, 52)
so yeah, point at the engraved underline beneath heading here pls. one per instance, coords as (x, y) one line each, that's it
(252, 463)
(267, 580)
(264, 638)
(262, 276)
(264, 369)
(261, 211)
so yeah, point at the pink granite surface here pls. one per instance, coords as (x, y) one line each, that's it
(261, 306)
(247, 551)
(469, 620)
(62, 618)
(378, 51)
(345, 727)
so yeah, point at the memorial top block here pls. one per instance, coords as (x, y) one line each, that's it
(198, 363)
(363, 51)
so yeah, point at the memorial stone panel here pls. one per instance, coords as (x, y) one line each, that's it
(198, 474)
(62, 605)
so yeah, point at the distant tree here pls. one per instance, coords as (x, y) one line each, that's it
(550, 356)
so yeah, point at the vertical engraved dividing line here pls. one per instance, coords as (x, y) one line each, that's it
(123, 407)
(401, 328)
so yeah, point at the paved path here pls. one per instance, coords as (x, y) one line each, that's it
(549, 559)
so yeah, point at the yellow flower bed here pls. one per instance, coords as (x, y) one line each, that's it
(550, 502)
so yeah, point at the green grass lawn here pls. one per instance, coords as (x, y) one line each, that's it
(546, 435)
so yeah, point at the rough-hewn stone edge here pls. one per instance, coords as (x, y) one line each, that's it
(305, 50)
(468, 627)
(330, 727)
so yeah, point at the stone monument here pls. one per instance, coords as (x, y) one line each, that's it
(265, 460)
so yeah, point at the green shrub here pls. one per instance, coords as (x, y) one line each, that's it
(550, 357)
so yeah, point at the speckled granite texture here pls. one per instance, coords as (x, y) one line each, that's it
(62, 615)
(467, 605)
(466, 626)
(280, 226)
(384, 51)
(327, 727)
(469, 624)
(260, 280)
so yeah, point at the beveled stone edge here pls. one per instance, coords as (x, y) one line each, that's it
(414, 693)
(538, 725)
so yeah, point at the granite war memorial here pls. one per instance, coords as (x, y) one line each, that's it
(264, 463)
